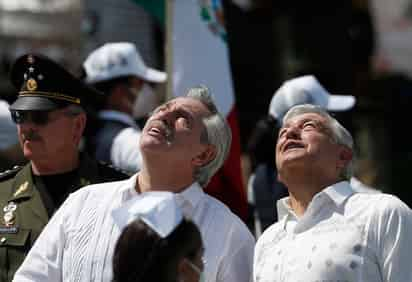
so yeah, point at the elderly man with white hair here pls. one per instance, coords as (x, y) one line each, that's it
(183, 144)
(264, 187)
(327, 231)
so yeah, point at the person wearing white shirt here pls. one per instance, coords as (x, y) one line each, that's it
(118, 70)
(328, 231)
(183, 143)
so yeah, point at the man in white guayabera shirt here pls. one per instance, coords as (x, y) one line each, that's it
(327, 231)
(183, 143)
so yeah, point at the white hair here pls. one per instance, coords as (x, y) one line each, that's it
(340, 134)
(217, 133)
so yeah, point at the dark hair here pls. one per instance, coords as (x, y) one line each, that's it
(142, 255)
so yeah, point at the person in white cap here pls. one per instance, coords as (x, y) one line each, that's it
(327, 231)
(118, 70)
(264, 188)
(184, 142)
(158, 243)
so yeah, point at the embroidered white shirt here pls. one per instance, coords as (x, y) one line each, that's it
(78, 242)
(343, 236)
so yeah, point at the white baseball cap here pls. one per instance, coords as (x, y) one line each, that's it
(159, 210)
(306, 90)
(118, 59)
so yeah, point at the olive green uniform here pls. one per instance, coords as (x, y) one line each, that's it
(24, 214)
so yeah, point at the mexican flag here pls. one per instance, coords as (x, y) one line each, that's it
(199, 55)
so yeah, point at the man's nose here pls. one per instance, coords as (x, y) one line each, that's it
(167, 115)
(293, 132)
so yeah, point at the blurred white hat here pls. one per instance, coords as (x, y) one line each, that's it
(118, 59)
(159, 210)
(306, 90)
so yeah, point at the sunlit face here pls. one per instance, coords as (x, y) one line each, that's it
(306, 140)
(58, 137)
(175, 128)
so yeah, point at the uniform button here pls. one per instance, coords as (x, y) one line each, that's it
(3, 240)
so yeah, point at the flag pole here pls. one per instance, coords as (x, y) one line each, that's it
(169, 47)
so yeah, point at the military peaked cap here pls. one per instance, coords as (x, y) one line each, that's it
(43, 85)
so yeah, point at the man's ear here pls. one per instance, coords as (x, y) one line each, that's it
(206, 156)
(80, 125)
(345, 156)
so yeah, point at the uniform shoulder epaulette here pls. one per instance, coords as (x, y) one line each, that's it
(112, 172)
(7, 174)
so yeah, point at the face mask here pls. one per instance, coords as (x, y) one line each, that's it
(198, 271)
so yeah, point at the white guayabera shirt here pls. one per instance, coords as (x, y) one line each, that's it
(343, 236)
(78, 242)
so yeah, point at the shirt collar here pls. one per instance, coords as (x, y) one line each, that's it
(337, 192)
(191, 194)
(117, 116)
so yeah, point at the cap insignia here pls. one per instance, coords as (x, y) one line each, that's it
(30, 59)
(31, 84)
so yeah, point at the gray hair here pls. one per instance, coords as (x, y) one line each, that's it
(340, 135)
(216, 132)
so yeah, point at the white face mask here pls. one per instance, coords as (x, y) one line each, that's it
(198, 271)
(146, 101)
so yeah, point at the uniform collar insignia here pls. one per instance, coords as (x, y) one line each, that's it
(21, 189)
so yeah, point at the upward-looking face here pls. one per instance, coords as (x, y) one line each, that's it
(47, 135)
(307, 141)
(175, 128)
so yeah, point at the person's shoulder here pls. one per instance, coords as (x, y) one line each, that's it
(389, 203)
(380, 204)
(220, 208)
(227, 218)
(380, 200)
(97, 192)
(9, 174)
(271, 235)
(272, 231)
(108, 172)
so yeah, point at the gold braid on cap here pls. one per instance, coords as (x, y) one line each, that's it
(53, 95)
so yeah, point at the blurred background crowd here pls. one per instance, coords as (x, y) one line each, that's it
(360, 47)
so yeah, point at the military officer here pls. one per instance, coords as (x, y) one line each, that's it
(50, 116)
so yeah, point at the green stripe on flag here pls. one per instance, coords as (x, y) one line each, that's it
(154, 7)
